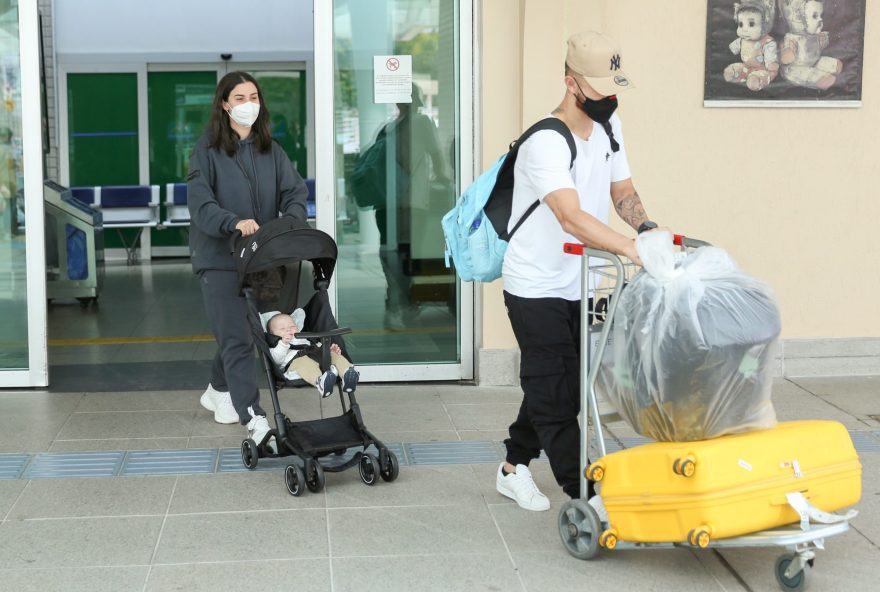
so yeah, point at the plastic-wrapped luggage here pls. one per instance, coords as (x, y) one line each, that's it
(694, 341)
(738, 484)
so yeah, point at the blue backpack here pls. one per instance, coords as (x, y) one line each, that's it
(476, 228)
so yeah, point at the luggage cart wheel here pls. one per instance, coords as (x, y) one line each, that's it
(788, 581)
(368, 468)
(390, 468)
(579, 528)
(250, 454)
(595, 472)
(314, 475)
(294, 480)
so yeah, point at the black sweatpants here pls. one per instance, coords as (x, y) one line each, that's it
(234, 367)
(548, 333)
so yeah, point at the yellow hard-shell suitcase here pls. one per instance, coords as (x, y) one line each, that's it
(729, 486)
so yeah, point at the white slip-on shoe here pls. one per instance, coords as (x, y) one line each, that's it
(220, 403)
(258, 428)
(521, 488)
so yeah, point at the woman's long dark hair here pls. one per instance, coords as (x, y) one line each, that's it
(223, 137)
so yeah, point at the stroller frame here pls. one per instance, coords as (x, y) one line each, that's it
(309, 440)
(580, 528)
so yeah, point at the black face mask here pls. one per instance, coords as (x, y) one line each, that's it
(599, 111)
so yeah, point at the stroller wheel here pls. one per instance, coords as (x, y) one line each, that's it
(294, 480)
(390, 467)
(369, 468)
(249, 454)
(314, 475)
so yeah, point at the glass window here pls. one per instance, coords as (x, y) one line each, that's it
(13, 277)
(396, 169)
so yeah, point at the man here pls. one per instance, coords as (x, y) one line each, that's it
(542, 285)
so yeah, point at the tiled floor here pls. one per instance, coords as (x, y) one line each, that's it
(438, 527)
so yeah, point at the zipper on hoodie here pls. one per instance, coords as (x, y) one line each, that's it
(255, 204)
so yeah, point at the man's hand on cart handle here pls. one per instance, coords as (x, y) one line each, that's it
(631, 253)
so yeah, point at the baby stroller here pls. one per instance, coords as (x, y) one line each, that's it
(270, 264)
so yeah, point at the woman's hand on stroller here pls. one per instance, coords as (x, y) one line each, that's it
(247, 227)
(334, 348)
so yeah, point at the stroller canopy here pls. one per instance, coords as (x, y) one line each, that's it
(283, 242)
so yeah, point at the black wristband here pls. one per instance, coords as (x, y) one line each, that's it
(646, 226)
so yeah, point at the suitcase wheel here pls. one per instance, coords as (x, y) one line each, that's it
(595, 472)
(686, 467)
(699, 537)
(608, 539)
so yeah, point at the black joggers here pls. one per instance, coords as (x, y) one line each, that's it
(548, 333)
(234, 367)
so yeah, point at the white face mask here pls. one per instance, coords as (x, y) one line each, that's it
(245, 114)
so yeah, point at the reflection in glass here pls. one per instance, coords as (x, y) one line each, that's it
(13, 285)
(284, 92)
(396, 169)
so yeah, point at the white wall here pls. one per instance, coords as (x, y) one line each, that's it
(182, 30)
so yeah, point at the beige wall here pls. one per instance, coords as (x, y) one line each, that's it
(796, 204)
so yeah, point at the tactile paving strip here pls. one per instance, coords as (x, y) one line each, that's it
(11, 465)
(191, 461)
(450, 453)
(170, 462)
(74, 464)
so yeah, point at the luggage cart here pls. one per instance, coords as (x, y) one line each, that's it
(604, 277)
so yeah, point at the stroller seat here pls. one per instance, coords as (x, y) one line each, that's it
(272, 265)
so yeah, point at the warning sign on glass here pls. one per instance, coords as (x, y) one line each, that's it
(392, 79)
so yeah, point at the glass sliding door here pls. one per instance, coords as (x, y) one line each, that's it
(178, 107)
(397, 130)
(22, 267)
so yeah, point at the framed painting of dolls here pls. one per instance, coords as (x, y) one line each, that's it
(779, 53)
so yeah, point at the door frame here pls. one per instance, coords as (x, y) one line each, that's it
(326, 190)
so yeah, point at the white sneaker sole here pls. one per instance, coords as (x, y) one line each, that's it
(503, 490)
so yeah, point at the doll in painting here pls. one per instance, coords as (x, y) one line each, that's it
(754, 45)
(802, 61)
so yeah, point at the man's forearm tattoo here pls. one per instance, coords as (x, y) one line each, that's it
(630, 209)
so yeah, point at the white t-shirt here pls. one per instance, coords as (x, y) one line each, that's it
(535, 265)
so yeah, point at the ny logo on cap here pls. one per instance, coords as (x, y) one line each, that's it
(615, 62)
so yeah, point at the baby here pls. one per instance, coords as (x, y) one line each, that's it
(298, 365)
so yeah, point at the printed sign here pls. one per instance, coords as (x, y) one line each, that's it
(392, 79)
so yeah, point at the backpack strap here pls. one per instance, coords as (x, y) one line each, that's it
(500, 203)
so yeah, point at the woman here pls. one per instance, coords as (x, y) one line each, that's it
(239, 178)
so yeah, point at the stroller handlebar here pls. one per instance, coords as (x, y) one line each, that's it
(319, 334)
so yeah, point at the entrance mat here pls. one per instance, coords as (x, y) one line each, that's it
(130, 376)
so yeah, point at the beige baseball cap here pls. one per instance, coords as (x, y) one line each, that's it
(596, 57)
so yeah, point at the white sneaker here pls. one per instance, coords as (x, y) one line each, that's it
(220, 403)
(599, 506)
(257, 429)
(521, 488)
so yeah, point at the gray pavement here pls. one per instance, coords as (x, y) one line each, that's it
(438, 527)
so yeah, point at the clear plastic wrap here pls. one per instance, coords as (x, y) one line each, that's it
(694, 340)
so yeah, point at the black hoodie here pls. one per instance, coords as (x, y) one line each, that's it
(222, 190)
